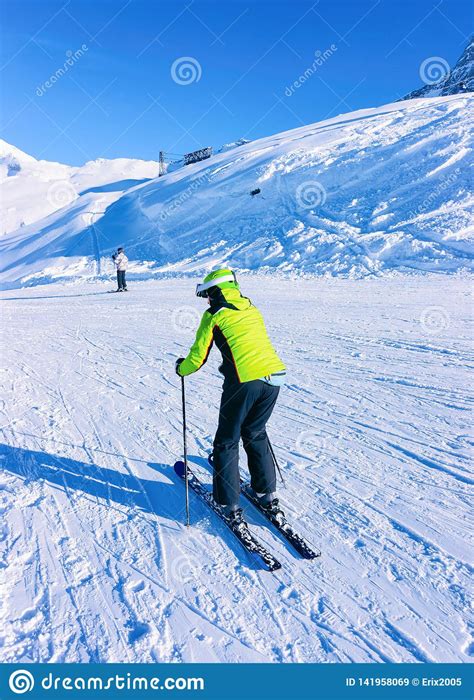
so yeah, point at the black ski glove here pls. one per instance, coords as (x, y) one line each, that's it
(177, 364)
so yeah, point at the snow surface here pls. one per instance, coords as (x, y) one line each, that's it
(363, 193)
(31, 189)
(372, 431)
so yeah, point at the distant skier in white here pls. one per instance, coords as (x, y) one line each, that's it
(121, 263)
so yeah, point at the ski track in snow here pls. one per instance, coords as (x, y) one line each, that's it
(372, 432)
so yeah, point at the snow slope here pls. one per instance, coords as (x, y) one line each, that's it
(372, 431)
(363, 193)
(31, 189)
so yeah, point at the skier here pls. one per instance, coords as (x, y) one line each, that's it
(253, 374)
(121, 263)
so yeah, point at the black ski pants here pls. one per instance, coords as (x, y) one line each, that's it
(121, 283)
(244, 412)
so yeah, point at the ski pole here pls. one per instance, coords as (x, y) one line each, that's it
(185, 450)
(275, 461)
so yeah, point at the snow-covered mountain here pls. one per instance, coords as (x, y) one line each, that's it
(31, 189)
(372, 191)
(443, 81)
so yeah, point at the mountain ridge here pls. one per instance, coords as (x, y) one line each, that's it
(369, 192)
(458, 80)
(32, 189)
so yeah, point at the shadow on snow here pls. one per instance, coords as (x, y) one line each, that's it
(162, 498)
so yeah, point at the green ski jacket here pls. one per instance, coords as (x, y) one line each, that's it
(238, 329)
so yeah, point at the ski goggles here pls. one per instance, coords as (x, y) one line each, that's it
(202, 290)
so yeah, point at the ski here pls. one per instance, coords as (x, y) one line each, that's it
(249, 542)
(286, 530)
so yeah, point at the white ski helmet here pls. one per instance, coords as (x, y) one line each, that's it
(224, 279)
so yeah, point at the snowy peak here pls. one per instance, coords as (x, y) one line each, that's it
(32, 189)
(8, 150)
(12, 160)
(441, 80)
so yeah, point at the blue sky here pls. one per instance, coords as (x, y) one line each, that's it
(117, 97)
